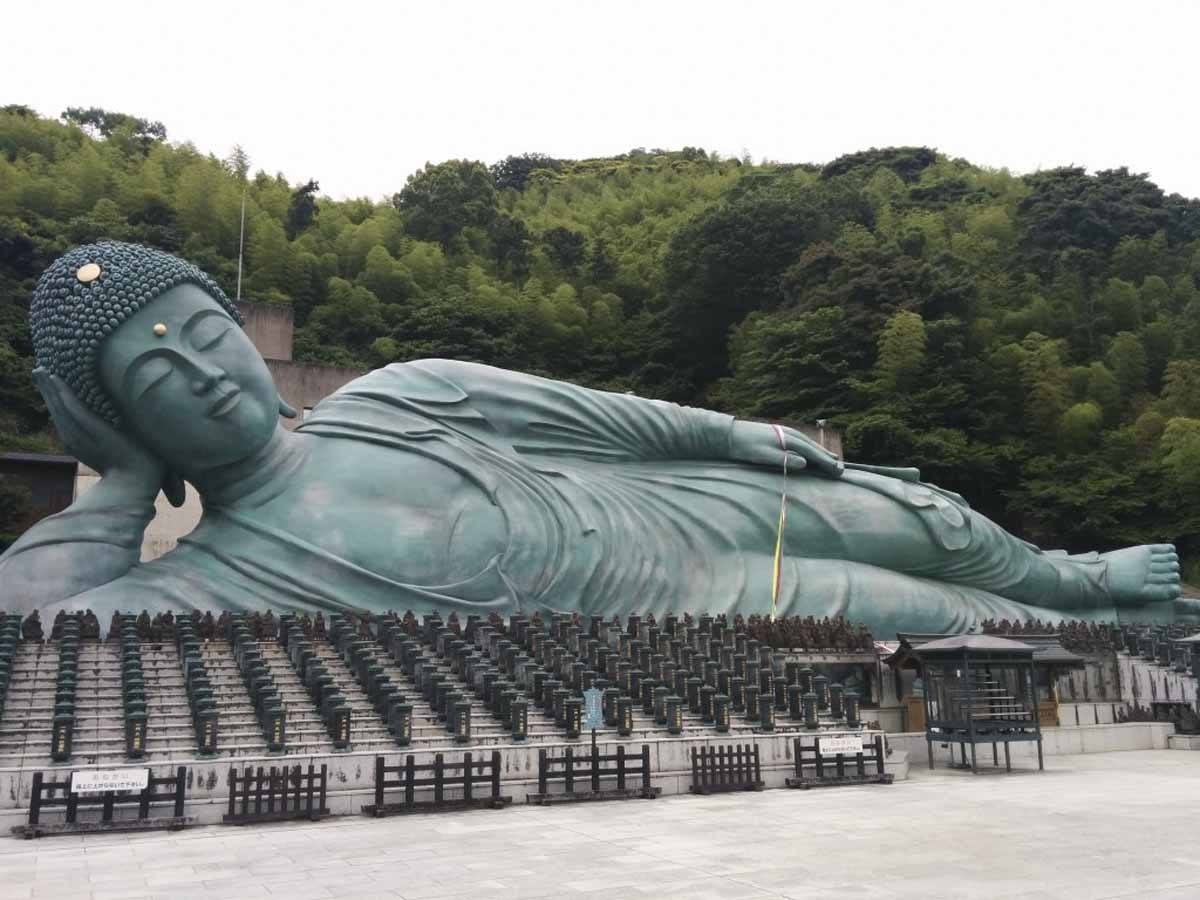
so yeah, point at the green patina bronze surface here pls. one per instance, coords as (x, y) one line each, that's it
(437, 484)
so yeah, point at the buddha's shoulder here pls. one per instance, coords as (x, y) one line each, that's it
(424, 380)
(349, 460)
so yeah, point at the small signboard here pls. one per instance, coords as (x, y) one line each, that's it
(95, 781)
(593, 708)
(841, 743)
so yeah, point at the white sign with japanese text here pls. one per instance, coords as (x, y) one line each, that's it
(841, 743)
(95, 781)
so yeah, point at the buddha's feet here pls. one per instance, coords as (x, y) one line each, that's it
(1148, 573)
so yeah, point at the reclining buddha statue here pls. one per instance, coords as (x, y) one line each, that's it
(452, 486)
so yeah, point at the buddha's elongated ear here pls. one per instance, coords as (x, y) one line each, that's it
(174, 489)
(286, 411)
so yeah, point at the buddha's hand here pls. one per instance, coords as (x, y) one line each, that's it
(93, 441)
(761, 444)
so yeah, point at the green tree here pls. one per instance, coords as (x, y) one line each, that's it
(1103, 391)
(512, 172)
(566, 248)
(1126, 357)
(105, 123)
(510, 246)
(788, 365)
(1080, 426)
(1181, 389)
(1181, 455)
(302, 209)
(439, 201)
(1121, 305)
(901, 352)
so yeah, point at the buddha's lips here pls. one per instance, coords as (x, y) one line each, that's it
(224, 403)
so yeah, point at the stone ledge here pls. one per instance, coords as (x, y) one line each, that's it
(1060, 741)
(1184, 742)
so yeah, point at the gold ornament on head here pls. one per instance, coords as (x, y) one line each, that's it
(160, 329)
(88, 273)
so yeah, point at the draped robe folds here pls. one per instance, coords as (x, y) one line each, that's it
(612, 503)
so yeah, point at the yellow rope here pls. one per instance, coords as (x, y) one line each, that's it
(777, 568)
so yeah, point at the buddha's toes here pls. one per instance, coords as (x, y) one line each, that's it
(1143, 574)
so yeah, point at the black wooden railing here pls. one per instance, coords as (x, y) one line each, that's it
(817, 767)
(442, 777)
(591, 770)
(716, 770)
(58, 794)
(276, 794)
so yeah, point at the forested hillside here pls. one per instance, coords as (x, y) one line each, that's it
(1031, 342)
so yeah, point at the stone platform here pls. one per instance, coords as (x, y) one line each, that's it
(351, 774)
(1097, 826)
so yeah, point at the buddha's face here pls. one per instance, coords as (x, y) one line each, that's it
(188, 382)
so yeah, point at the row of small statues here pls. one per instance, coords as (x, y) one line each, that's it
(807, 633)
(89, 626)
(1075, 635)
(793, 632)
(1083, 637)
(161, 627)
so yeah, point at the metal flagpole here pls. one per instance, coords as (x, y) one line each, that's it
(241, 244)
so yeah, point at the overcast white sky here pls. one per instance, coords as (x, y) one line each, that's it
(359, 95)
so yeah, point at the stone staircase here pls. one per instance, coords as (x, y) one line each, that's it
(306, 733)
(238, 730)
(428, 729)
(26, 724)
(25, 727)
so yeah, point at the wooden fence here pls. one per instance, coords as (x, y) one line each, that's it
(276, 795)
(592, 769)
(719, 769)
(58, 794)
(443, 776)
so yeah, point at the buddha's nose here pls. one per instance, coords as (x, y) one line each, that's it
(206, 378)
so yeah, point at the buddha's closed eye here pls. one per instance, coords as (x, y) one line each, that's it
(209, 332)
(149, 375)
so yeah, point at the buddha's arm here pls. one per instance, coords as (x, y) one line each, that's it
(92, 542)
(539, 415)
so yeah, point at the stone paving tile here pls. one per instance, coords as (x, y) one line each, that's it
(1105, 826)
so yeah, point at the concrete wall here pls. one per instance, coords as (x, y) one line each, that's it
(304, 385)
(1144, 683)
(269, 327)
(1098, 681)
(1089, 713)
(352, 776)
(1059, 741)
(169, 523)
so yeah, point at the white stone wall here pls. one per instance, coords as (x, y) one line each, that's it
(1089, 713)
(1059, 741)
(168, 525)
(1144, 683)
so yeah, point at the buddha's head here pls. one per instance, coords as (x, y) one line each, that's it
(151, 344)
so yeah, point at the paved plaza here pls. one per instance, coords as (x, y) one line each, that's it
(1102, 825)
